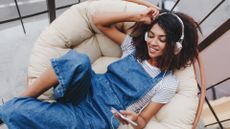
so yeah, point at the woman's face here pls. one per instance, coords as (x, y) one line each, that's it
(156, 41)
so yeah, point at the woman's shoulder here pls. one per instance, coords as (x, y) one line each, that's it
(171, 77)
(127, 41)
(166, 89)
(170, 82)
(127, 46)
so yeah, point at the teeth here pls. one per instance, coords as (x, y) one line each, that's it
(152, 49)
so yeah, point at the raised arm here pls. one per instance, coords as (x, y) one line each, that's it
(105, 22)
(145, 3)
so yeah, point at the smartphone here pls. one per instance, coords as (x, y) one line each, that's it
(123, 117)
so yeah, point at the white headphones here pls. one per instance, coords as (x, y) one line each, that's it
(178, 47)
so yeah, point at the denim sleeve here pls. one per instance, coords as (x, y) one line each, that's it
(67, 68)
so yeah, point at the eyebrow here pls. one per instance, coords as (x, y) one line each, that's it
(159, 35)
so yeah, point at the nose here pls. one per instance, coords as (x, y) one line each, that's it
(153, 41)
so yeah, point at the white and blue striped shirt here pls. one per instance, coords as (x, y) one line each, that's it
(163, 92)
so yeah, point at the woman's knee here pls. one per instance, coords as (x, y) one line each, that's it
(9, 111)
(84, 62)
(77, 61)
(19, 108)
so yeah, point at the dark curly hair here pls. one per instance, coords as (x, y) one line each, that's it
(172, 27)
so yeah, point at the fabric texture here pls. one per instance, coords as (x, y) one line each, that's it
(74, 30)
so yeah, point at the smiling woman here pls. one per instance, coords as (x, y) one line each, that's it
(140, 83)
(156, 42)
(167, 30)
(157, 45)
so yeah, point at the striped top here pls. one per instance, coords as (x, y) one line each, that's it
(163, 92)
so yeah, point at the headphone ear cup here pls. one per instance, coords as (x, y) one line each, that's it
(178, 48)
(146, 36)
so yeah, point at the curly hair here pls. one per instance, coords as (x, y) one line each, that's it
(172, 27)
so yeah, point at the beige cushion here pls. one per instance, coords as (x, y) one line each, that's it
(74, 30)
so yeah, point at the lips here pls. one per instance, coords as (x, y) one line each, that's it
(152, 49)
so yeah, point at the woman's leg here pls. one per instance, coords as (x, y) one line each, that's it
(43, 83)
(73, 72)
(71, 76)
(30, 113)
(74, 76)
(47, 80)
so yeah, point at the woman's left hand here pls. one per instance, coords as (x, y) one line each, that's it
(155, 12)
(148, 15)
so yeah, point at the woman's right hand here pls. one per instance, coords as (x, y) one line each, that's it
(148, 15)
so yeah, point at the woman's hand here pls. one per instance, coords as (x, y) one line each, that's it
(130, 115)
(148, 15)
(155, 11)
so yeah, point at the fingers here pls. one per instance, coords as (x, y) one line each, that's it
(132, 115)
(119, 118)
(155, 13)
(152, 12)
(124, 112)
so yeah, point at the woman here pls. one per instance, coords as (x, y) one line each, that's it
(140, 83)
(157, 47)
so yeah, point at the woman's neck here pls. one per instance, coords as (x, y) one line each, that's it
(153, 62)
